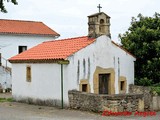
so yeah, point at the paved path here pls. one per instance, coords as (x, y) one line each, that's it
(21, 111)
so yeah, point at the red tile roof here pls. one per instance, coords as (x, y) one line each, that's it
(53, 50)
(25, 27)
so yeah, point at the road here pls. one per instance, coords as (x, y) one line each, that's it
(22, 111)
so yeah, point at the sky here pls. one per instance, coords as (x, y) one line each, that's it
(69, 17)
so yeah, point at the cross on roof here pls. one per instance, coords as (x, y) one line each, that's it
(99, 7)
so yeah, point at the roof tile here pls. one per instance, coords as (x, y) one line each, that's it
(25, 27)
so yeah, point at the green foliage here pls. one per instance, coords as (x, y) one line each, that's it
(156, 85)
(143, 82)
(6, 99)
(155, 90)
(143, 40)
(2, 7)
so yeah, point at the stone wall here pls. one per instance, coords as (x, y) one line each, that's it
(151, 101)
(146, 91)
(99, 103)
(156, 103)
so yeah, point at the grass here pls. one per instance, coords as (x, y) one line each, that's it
(6, 99)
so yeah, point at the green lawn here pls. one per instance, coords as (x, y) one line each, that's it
(6, 99)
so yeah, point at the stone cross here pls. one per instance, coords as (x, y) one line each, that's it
(99, 7)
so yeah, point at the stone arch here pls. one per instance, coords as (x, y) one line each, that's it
(101, 26)
(101, 21)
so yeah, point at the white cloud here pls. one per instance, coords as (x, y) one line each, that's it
(69, 17)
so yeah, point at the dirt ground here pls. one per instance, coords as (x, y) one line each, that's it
(22, 111)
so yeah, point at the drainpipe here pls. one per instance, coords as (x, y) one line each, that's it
(62, 86)
(61, 63)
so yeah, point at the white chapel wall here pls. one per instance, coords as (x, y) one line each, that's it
(104, 54)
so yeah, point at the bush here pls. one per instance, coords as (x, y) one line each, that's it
(155, 90)
(143, 82)
(156, 85)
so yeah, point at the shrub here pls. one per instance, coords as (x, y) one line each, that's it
(144, 82)
(155, 90)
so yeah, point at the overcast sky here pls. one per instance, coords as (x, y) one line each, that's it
(69, 17)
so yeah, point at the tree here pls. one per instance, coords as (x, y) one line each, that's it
(143, 40)
(2, 7)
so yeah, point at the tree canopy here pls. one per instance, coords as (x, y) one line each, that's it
(143, 40)
(2, 7)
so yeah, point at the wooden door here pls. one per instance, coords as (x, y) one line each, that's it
(103, 83)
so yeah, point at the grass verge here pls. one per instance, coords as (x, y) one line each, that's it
(6, 100)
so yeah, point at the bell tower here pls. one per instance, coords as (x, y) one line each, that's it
(98, 24)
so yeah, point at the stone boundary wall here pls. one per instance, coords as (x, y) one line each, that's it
(99, 103)
(151, 102)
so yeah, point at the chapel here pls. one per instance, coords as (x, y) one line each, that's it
(92, 63)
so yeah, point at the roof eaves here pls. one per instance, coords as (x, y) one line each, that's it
(36, 61)
(15, 33)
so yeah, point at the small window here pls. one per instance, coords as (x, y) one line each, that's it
(22, 49)
(28, 73)
(122, 86)
(84, 87)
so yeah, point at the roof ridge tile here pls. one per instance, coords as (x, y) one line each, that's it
(64, 39)
(21, 20)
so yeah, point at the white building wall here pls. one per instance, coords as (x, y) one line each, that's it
(45, 81)
(126, 64)
(9, 44)
(9, 47)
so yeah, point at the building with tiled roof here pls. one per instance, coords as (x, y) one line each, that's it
(93, 64)
(17, 36)
(82, 60)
